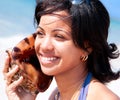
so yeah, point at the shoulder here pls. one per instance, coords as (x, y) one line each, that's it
(99, 91)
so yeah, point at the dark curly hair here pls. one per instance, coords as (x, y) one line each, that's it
(90, 22)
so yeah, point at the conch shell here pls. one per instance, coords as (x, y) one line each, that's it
(23, 55)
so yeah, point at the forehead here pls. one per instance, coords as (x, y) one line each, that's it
(55, 17)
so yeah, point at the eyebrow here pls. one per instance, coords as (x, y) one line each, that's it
(58, 29)
(40, 28)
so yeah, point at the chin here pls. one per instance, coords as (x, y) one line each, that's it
(48, 71)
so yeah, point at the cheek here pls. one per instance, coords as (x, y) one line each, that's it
(72, 58)
(69, 51)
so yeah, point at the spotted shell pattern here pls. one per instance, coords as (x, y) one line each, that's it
(23, 55)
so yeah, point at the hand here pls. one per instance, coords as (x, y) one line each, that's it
(13, 89)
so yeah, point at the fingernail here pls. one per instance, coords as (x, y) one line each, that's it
(16, 66)
(6, 54)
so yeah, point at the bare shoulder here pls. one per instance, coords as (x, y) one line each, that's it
(98, 91)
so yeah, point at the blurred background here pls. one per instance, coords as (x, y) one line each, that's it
(17, 21)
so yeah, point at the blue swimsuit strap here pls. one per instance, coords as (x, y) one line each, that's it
(84, 89)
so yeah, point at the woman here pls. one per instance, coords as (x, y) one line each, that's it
(71, 45)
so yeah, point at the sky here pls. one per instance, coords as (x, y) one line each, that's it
(17, 21)
(16, 18)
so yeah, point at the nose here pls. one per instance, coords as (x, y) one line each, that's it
(47, 44)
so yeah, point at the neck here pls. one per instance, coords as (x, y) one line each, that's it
(69, 84)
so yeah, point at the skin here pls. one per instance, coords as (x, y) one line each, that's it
(13, 91)
(59, 56)
(54, 45)
(98, 91)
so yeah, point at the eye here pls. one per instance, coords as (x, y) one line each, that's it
(59, 36)
(40, 34)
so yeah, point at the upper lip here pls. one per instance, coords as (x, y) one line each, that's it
(47, 55)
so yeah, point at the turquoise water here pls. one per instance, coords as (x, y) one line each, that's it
(16, 17)
(114, 31)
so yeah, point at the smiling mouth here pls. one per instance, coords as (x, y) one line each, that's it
(48, 60)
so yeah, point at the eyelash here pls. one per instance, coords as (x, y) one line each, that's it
(39, 33)
(57, 36)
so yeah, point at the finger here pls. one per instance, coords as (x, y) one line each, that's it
(10, 74)
(20, 89)
(13, 86)
(13, 71)
(6, 65)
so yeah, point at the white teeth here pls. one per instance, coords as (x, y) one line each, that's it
(48, 59)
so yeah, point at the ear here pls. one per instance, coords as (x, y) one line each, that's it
(88, 47)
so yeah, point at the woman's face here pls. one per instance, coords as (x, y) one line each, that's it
(54, 45)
